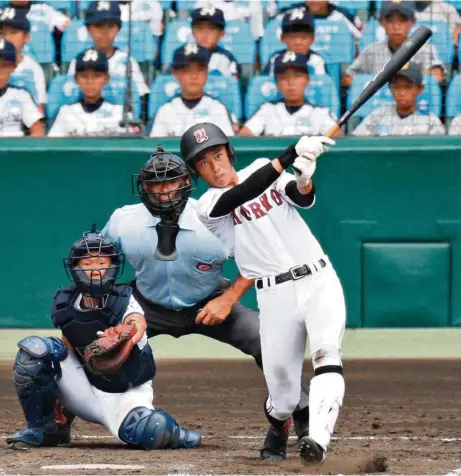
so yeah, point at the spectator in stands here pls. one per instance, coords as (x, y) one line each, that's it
(298, 35)
(325, 10)
(403, 117)
(430, 10)
(17, 107)
(15, 27)
(92, 115)
(190, 67)
(208, 26)
(41, 11)
(397, 17)
(103, 21)
(292, 115)
(144, 10)
(455, 127)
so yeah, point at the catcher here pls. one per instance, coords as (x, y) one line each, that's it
(102, 368)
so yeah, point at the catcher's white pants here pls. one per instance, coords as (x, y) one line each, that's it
(95, 406)
(290, 312)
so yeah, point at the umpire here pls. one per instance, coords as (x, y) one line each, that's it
(179, 265)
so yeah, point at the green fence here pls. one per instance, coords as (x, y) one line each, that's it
(388, 213)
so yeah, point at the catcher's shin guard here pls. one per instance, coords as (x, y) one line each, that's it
(156, 429)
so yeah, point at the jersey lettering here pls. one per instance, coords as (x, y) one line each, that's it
(255, 210)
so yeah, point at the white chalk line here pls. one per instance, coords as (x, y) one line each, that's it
(94, 466)
(455, 472)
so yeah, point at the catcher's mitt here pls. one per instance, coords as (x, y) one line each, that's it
(107, 354)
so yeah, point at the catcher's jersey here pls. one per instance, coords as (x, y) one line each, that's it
(17, 109)
(455, 127)
(277, 119)
(176, 116)
(29, 66)
(267, 235)
(117, 67)
(73, 120)
(386, 121)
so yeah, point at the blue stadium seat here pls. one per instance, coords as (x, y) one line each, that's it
(76, 39)
(453, 97)
(177, 33)
(41, 44)
(24, 80)
(225, 89)
(64, 90)
(429, 100)
(455, 3)
(321, 91)
(165, 4)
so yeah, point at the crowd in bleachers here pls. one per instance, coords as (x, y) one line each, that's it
(254, 67)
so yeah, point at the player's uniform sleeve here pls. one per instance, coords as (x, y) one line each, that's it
(257, 122)
(59, 127)
(57, 19)
(361, 64)
(436, 128)
(455, 127)
(287, 187)
(133, 308)
(71, 70)
(40, 84)
(30, 111)
(160, 127)
(367, 127)
(432, 58)
(138, 78)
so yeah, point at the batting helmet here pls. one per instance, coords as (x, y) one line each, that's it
(93, 244)
(200, 137)
(162, 167)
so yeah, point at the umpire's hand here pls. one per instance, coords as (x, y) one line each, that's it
(215, 311)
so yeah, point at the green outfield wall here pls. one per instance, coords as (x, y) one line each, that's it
(388, 213)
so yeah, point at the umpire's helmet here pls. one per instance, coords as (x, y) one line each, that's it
(162, 167)
(93, 244)
(200, 137)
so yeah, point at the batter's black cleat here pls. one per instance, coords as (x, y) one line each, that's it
(301, 422)
(310, 451)
(275, 445)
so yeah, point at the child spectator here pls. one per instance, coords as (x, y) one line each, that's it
(402, 118)
(208, 26)
(190, 67)
(17, 108)
(292, 115)
(92, 115)
(298, 35)
(15, 28)
(397, 17)
(103, 21)
(44, 12)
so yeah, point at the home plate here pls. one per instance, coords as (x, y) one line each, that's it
(93, 466)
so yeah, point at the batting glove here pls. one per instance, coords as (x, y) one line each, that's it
(313, 147)
(304, 169)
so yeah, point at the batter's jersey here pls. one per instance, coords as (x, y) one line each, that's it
(73, 120)
(277, 119)
(267, 235)
(455, 127)
(30, 65)
(386, 121)
(45, 12)
(315, 63)
(17, 109)
(439, 11)
(376, 55)
(117, 67)
(144, 10)
(175, 117)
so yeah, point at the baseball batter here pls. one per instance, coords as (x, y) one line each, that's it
(299, 294)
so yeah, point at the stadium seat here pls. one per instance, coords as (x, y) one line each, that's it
(321, 92)
(24, 80)
(176, 34)
(41, 44)
(453, 97)
(64, 90)
(225, 89)
(455, 3)
(74, 40)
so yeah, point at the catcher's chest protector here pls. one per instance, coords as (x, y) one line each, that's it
(80, 329)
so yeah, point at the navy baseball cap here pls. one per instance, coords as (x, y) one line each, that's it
(7, 51)
(211, 14)
(406, 8)
(290, 59)
(189, 53)
(103, 12)
(92, 59)
(413, 72)
(298, 19)
(15, 17)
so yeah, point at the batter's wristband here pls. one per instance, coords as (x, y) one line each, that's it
(288, 156)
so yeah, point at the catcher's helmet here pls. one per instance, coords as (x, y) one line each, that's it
(93, 244)
(200, 137)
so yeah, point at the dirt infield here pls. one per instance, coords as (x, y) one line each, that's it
(396, 418)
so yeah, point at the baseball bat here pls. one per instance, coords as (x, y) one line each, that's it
(401, 57)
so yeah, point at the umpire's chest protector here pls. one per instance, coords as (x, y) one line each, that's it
(80, 329)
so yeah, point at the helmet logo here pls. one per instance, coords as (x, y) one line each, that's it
(200, 136)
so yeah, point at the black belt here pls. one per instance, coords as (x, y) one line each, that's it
(294, 274)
